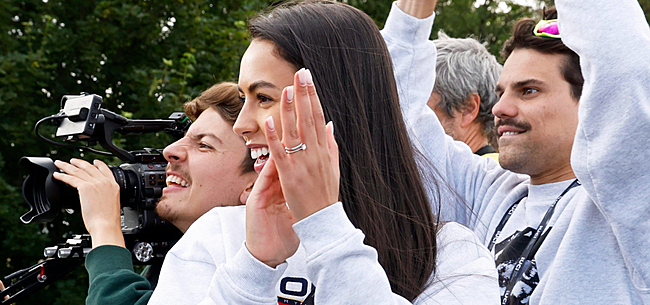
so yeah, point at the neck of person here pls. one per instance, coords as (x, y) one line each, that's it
(557, 174)
(474, 138)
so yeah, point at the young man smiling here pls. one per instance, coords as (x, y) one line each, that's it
(574, 228)
(208, 168)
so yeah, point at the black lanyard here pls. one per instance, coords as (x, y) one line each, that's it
(520, 268)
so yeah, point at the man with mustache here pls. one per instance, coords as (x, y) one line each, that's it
(566, 211)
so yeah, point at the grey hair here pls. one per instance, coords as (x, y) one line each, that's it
(464, 66)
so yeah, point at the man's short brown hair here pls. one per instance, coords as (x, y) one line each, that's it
(523, 38)
(224, 98)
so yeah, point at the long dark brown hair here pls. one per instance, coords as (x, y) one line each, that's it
(381, 188)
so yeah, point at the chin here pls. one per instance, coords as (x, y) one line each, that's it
(165, 212)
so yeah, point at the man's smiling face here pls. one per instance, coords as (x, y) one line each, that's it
(536, 116)
(204, 171)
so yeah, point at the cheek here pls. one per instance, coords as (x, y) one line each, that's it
(273, 111)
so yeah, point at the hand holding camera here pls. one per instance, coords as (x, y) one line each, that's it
(99, 195)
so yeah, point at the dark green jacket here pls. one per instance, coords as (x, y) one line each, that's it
(112, 279)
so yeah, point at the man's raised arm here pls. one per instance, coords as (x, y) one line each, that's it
(610, 153)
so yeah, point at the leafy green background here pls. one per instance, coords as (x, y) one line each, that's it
(146, 58)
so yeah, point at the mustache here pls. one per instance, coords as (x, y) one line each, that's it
(514, 123)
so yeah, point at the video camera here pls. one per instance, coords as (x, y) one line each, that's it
(141, 180)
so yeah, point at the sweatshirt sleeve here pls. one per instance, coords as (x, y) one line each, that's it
(112, 279)
(343, 269)
(346, 271)
(477, 180)
(244, 280)
(610, 152)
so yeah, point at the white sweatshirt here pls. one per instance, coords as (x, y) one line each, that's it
(211, 258)
(598, 250)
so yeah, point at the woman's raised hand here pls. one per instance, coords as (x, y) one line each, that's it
(300, 178)
(307, 159)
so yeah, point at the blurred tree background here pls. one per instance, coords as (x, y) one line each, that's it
(146, 58)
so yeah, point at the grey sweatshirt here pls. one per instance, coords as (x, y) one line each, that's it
(598, 250)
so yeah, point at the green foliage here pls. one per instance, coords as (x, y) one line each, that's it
(488, 21)
(146, 58)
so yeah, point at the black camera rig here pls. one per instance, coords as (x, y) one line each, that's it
(141, 179)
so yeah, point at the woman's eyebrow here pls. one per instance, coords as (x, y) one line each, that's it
(259, 84)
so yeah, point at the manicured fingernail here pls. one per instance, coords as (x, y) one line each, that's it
(289, 94)
(332, 126)
(310, 80)
(302, 77)
(270, 123)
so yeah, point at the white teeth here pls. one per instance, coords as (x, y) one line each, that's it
(258, 152)
(509, 133)
(176, 180)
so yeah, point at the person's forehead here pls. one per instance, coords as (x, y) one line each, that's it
(262, 63)
(210, 124)
(526, 64)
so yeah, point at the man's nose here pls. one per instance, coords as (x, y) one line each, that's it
(505, 107)
(175, 152)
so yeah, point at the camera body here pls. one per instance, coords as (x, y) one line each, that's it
(141, 177)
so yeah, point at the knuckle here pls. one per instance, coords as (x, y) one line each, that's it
(320, 114)
(310, 121)
(294, 134)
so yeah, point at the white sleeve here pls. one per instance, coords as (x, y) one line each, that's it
(343, 269)
(478, 180)
(610, 151)
(244, 280)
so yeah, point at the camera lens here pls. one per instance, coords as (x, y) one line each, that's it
(129, 186)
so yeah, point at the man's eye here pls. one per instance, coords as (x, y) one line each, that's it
(528, 91)
(242, 99)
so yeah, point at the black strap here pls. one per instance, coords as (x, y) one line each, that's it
(502, 224)
(487, 149)
(526, 256)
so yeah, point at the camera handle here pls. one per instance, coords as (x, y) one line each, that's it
(62, 259)
(109, 122)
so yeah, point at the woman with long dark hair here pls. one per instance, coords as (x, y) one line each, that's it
(334, 55)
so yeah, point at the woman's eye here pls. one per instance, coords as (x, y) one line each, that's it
(264, 99)
(204, 145)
